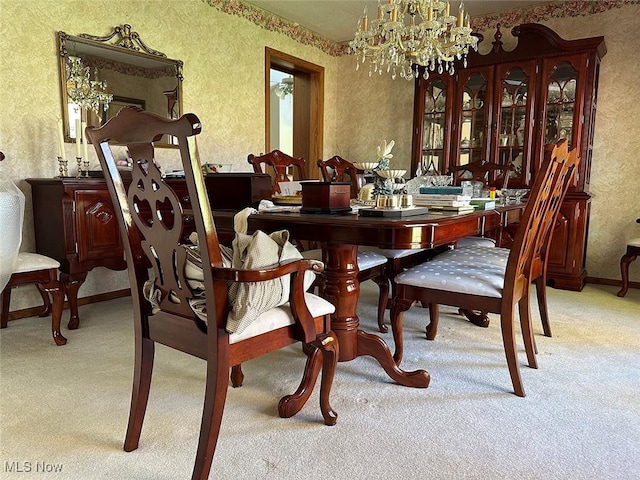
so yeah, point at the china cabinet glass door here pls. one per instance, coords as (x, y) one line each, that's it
(563, 104)
(511, 142)
(561, 99)
(473, 124)
(435, 139)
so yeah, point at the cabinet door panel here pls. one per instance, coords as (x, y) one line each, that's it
(432, 124)
(473, 99)
(97, 226)
(513, 129)
(562, 103)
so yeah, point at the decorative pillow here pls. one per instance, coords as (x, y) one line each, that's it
(249, 300)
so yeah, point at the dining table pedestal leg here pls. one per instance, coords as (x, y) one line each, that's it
(343, 290)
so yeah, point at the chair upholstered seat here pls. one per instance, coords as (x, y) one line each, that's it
(475, 242)
(29, 262)
(477, 272)
(281, 316)
(392, 253)
(366, 258)
(635, 242)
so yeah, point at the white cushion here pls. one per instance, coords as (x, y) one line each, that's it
(461, 271)
(279, 317)
(31, 262)
(366, 258)
(634, 242)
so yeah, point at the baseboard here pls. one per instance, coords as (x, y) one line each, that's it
(101, 297)
(608, 281)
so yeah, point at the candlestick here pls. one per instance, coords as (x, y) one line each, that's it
(62, 167)
(79, 164)
(78, 138)
(84, 145)
(60, 139)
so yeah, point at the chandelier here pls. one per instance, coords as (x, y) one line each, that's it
(284, 88)
(411, 33)
(86, 93)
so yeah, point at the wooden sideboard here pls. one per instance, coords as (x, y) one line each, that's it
(75, 223)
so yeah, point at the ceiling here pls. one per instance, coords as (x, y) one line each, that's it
(337, 19)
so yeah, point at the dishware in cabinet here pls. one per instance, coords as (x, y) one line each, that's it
(432, 124)
(513, 121)
(473, 116)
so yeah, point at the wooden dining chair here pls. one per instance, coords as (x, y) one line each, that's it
(540, 260)
(191, 314)
(25, 268)
(337, 169)
(469, 281)
(277, 164)
(632, 252)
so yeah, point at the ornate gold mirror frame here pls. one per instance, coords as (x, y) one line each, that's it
(121, 66)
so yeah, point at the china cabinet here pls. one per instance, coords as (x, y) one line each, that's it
(503, 108)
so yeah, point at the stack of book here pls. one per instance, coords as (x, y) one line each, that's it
(444, 198)
(483, 203)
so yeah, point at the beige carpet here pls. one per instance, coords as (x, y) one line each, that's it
(65, 408)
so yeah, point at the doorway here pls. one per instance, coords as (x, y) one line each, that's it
(294, 107)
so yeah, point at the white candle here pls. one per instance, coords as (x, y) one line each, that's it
(78, 138)
(84, 142)
(60, 139)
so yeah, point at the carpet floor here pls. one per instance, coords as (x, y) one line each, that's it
(64, 410)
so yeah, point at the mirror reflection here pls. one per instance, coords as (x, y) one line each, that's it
(119, 70)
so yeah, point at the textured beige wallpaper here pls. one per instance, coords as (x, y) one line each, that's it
(370, 107)
(223, 58)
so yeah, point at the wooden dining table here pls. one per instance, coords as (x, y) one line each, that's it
(339, 237)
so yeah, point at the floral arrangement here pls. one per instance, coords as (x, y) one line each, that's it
(383, 186)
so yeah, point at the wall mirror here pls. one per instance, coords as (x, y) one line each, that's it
(126, 69)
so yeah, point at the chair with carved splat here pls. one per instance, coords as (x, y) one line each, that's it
(189, 303)
(468, 280)
(277, 164)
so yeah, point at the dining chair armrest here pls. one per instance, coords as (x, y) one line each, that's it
(270, 272)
